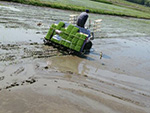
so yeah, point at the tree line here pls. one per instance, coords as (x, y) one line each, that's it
(142, 2)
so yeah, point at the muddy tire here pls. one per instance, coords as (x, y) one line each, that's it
(88, 46)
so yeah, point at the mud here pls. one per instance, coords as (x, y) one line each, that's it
(113, 77)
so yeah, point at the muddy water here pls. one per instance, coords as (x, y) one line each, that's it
(123, 42)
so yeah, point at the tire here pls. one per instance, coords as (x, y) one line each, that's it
(88, 46)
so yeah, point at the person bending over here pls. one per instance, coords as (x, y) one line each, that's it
(82, 18)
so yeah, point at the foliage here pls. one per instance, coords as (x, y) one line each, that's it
(125, 3)
(103, 1)
(142, 2)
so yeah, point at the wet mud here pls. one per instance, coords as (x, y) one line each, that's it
(113, 77)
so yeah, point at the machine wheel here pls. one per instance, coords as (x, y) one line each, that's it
(88, 46)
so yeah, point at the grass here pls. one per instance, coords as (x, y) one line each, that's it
(124, 3)
(67, 40)
(109, 7)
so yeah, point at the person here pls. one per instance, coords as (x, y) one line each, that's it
(82, 18)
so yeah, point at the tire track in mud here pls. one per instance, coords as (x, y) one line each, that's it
(102, 101)
(115, 93)
(15, 78)
(85, 82)
(14, 54)
(97, 88)
(115, 96)
(17, 52)
(18, 71)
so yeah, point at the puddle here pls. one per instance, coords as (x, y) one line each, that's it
(129, 56)
(66, 63)
(9, 35)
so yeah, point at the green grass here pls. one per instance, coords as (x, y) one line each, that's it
(69, 28)
(60, 25)
(109, 7)
(118, 7)
(80, 42)
(103, 1)
(124, 3)
(72, 46)
(49, 34)
(74, 40)
(74, 30)
(77, 48)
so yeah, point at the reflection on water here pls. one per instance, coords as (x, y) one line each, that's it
(68, 63)
(9, 35)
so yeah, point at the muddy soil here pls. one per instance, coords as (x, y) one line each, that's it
(113, 77)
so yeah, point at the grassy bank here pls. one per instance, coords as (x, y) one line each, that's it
(99, 7)
(124, 3)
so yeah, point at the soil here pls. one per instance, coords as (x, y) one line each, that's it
(35, 78)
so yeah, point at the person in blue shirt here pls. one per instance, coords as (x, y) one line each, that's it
(82, 18)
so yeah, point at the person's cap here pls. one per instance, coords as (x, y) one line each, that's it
(87, 11)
